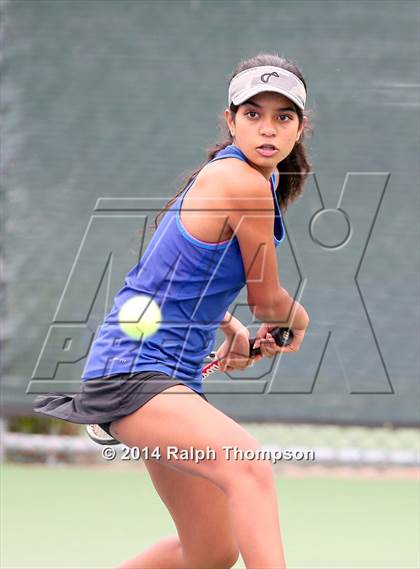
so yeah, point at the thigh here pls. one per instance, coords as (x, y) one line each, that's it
(179, 418)
(201, 514)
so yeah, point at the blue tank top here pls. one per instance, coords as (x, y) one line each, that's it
(193, 282)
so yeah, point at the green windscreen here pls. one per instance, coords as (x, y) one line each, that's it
(107, 105)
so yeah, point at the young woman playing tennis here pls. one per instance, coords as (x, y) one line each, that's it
(213, 238)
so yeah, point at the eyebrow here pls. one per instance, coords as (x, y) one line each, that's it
(250, 102)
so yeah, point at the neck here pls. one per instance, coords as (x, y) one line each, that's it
(266, 172)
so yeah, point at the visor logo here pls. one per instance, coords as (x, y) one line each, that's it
(266, 76)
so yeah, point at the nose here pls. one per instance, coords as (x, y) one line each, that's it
(267, 129)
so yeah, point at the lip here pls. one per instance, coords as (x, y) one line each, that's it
(266, 152)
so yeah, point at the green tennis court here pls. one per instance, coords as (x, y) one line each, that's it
(67, 517)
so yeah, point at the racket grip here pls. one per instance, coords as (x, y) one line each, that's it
(282, 336)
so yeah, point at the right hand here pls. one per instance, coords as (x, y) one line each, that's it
(268, 346)
(298, 336)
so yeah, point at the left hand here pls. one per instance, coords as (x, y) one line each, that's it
(234, 352)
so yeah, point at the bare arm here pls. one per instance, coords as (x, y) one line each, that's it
(251, 218)
(230, 325)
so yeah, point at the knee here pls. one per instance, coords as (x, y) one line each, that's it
(255, 473)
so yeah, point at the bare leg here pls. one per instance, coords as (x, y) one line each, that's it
(200, 511)
(255, 513)
(180, 418)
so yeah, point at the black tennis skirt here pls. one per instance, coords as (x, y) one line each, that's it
(106, 399)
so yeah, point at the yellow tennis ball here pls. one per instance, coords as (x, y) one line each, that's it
(139, 317)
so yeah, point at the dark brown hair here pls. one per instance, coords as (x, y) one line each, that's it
(293, 169)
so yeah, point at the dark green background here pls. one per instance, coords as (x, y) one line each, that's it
(119, 99)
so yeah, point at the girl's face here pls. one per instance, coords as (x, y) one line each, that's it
(265, 128)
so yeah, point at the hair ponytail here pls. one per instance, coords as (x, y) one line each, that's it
(293, 170)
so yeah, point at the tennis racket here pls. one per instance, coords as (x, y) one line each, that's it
(282, 336)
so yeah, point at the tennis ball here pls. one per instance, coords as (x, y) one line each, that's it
(139, 317)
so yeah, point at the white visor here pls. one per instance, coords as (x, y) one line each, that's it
(266, 78)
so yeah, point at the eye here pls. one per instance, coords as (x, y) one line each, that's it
(285, 118)
(248, 113)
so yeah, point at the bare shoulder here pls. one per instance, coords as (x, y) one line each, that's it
(232, 179)
(213, 208)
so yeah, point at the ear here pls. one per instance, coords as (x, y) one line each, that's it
(301, 128)
(229, 121)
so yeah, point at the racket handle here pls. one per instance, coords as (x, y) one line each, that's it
(282, 337)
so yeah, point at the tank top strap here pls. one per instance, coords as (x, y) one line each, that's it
(230, 151)
(233, 151)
